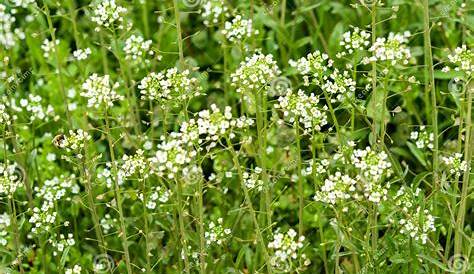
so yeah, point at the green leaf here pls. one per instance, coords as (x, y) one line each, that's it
(420, 156)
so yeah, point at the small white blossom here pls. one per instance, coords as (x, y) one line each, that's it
(100, 91)
(255, 73)
(239, 29)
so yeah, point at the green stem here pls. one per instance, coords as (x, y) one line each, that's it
(182, 230)
(178, 31)
(430, 87)
(260, 102)
(248, 201)
(300, 178)
(58, 66)
(458, 236)
(117, 195)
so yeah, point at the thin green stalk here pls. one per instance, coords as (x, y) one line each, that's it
(59, 66)
(333, 116)
(373, 13)
(300, 178)
(182, 230)
(12, 212)
(178, 31)
(374, 231)
(146, 225)
(260, 101)
(130, 89)
(458, 236)
(117, 195)
(146, 22)
(202, 254)
(430, 87)
(16, 234)
(319, 211)
(248, 201)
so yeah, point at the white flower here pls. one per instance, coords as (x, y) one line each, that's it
(100, 91)
(339, 85)
(255, 73)
(34, 108)
(10, 178)
(314, 65)
(336, 187)
(169, 85)
(77, 269)
(107, 13)
(137, 49)
(354, 40)
(392, 49)
(213, 10)
(211, 124)
(238, 29)
(303, 108)
(81, 54)
(463, 58)
(5, 118)
(49, 47)
(8, 35)
(287, 250)
(423, 138)
(215, 233)
(373, 167)
(455, 164)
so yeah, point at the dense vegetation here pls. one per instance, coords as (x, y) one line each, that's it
(221, 136)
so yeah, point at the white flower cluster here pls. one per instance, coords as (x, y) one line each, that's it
(108, 223)
(4, 224)
(354, 40)
(210, 125)
(393, 49)
(255, 73)
(375, 168)
(287, 248)
(8, 36)
(136, 49)
(213, 10)
(57, 189)
(414, 222)
(252, 180)
(107, 13)
(169, 85)
(60, 244)
(158, 194)
(314, 65)
(216, 233)
(81, 54)
(238, 29)
(10, 179)
(340, 85)
(463, 58)
(43, 218)
(36, 111)
(106, 175)
(75, 141)
(336, 187)
(136, 164)
(22, 3)
(99, 91)
(5, 118)
(173, 156)
(49, 47)
(455, 164)
(304, 108)
(77, 269)
(422, 138)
